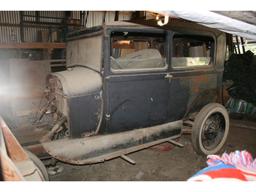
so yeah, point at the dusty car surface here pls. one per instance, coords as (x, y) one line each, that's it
(130, 86)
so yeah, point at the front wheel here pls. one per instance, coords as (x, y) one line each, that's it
(210, 129)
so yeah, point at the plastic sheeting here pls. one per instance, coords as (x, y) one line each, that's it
(214, 20)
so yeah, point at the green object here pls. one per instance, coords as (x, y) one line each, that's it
(240, 106)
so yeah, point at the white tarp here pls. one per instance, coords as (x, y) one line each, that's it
(214, 20)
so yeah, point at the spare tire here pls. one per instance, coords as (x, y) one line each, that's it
(210, 129)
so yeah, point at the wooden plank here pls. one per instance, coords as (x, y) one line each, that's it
(9, 171)
(33, 46)
(15, 151)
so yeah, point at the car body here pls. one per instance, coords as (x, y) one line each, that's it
(130, 86)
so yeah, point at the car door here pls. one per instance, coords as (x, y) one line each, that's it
(195, 81)
(136, 80)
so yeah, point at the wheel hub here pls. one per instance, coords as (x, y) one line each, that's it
(212, 131)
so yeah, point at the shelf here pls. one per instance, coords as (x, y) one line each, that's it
(33, 46)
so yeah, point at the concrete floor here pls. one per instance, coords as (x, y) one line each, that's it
(159, 165)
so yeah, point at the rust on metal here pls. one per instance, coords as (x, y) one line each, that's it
(37, 149)
(203, 88)
(197, 81)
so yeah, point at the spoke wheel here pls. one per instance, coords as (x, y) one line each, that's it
(210, 129)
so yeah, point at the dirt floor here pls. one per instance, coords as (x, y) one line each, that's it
(162, 163)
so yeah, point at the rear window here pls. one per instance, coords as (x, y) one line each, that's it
(192, 51)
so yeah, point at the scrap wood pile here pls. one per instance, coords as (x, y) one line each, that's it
(241, 70)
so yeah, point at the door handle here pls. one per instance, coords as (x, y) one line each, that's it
(169, 77)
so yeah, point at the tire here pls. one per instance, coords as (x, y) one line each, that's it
(210, 129)
(39, 165)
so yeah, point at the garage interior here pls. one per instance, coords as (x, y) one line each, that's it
(33, 44)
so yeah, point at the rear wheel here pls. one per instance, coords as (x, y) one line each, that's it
(210, 129)
(39, 165)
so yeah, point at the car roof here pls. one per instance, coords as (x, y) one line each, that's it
(173, 25)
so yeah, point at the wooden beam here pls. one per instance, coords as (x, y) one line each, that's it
(35, 45)
(21, 27)
(116, 16)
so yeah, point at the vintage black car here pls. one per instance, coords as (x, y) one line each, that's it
(130, 86)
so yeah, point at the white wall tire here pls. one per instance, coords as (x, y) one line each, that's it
(211, 125)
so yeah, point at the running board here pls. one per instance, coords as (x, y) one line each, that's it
(100, 148)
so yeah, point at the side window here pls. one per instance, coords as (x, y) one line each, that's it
(192, 51)
(137, 50)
